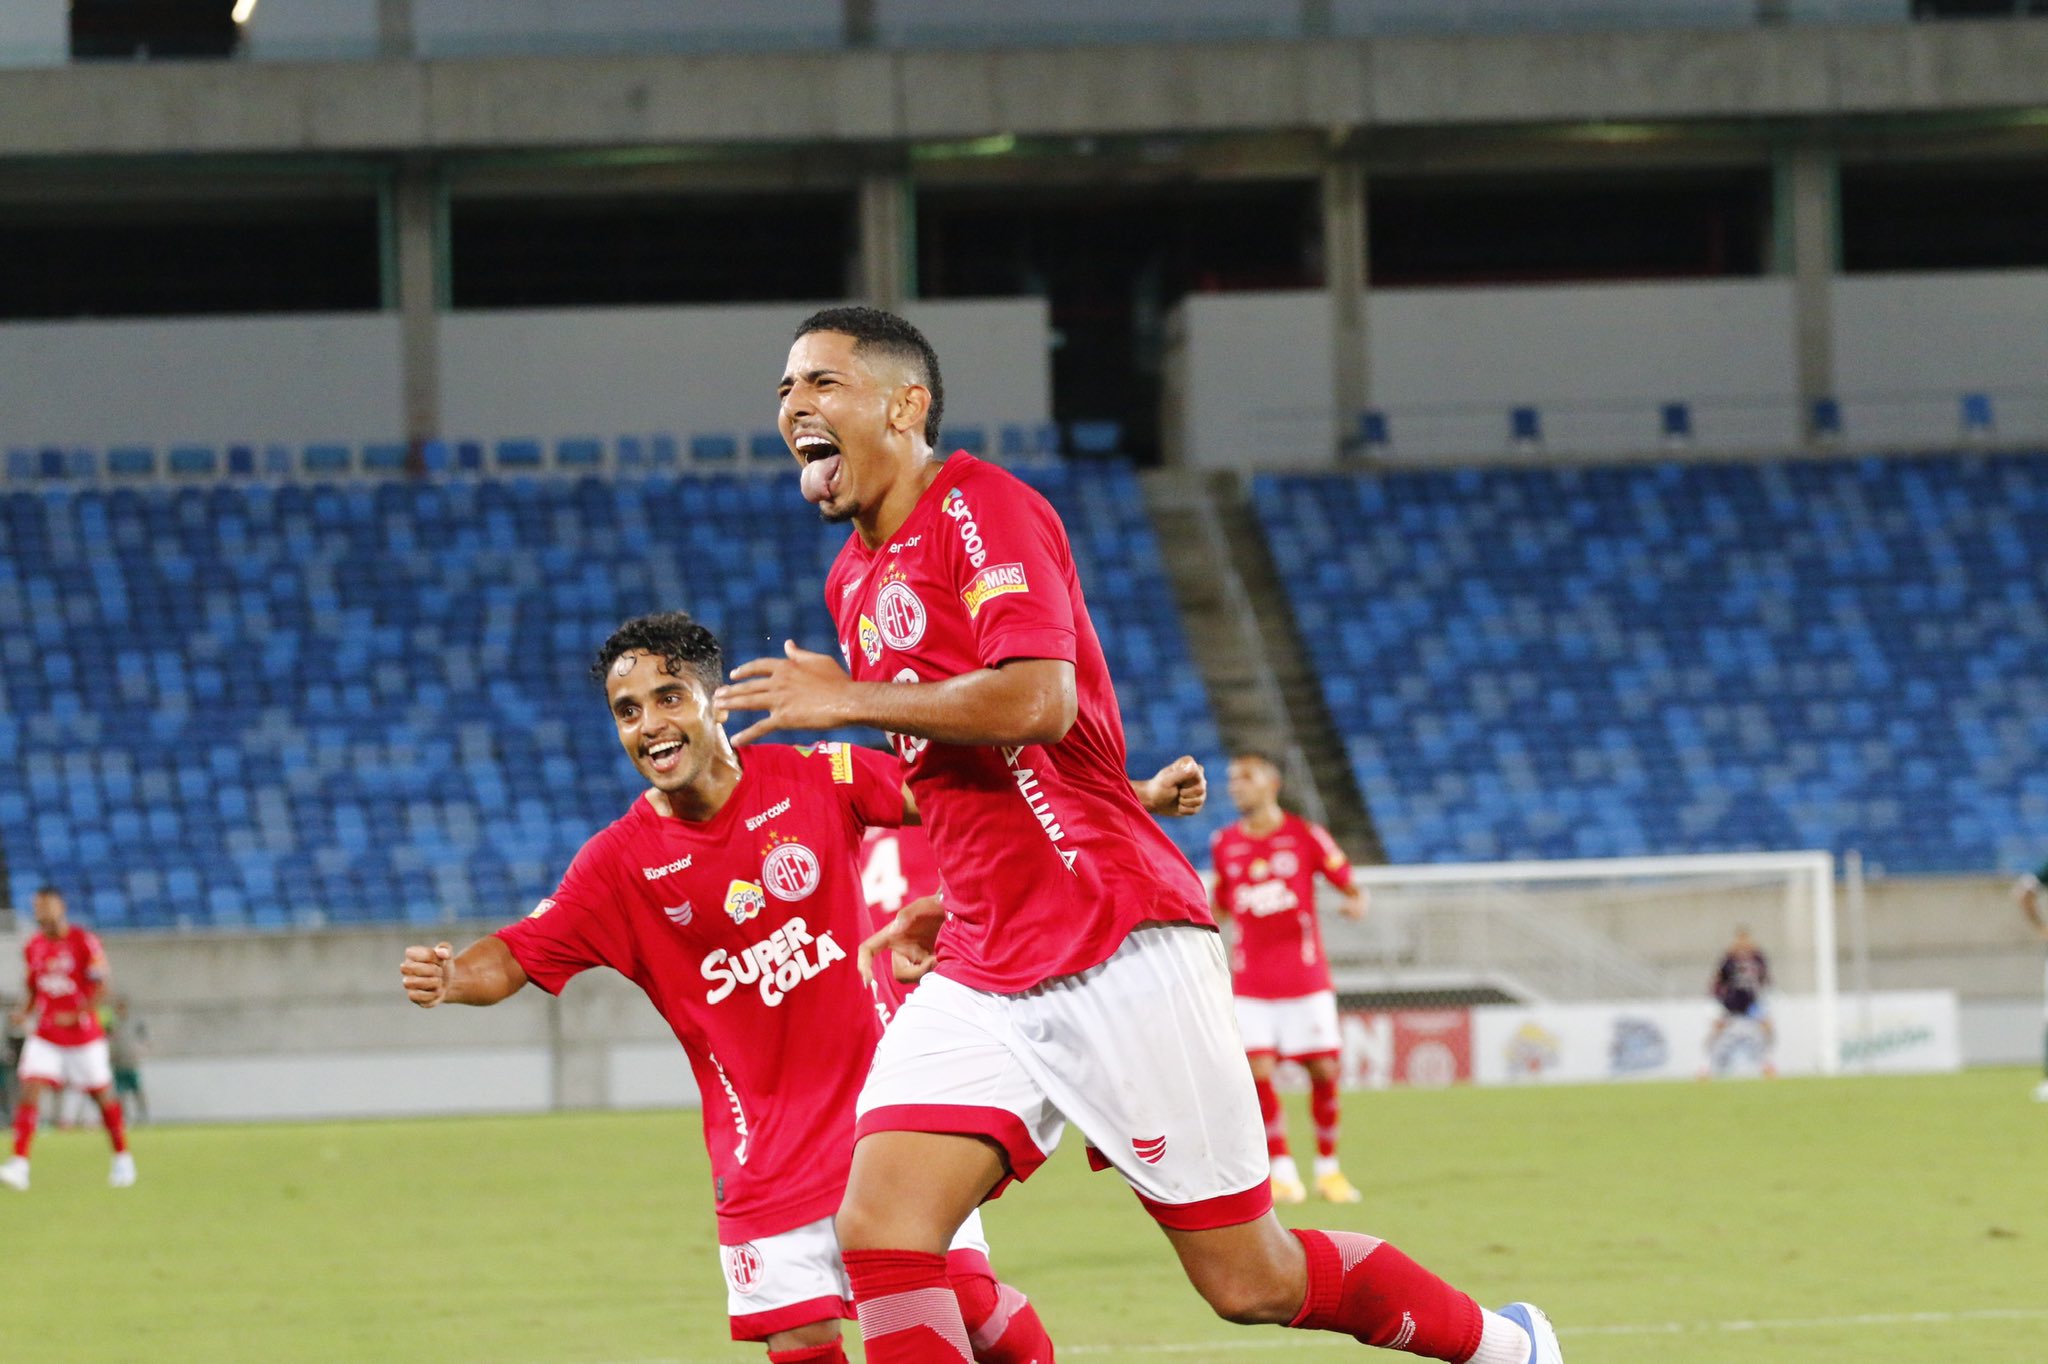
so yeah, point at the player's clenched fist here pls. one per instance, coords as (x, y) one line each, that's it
(426, 973)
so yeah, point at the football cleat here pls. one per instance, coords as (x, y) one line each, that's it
(1543, 1346)
(14, 1174)
(121, 1173)
(1288, 1191)
(1334, 1188)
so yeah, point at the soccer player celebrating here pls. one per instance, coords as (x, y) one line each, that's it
(1266, 866)
(67, 972)
(1083, 979)
(729, 894)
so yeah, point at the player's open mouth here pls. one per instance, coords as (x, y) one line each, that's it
(664, 756)
(823, 465)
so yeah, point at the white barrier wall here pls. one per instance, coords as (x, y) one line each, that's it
(204, 381)
(1893, 1032)
(610, 371)
(1250, 372)
(34, 32)
(600, 372)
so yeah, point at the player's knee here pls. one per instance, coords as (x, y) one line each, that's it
(1251, 1300)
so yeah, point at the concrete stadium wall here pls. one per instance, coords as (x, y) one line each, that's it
(1250, 371)
(34, 32)
(601, 372)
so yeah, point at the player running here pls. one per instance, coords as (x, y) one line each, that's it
(1083, 979)
(1745, 1021)
(1266, 866)
(729, 893)
(2029, 891)
(67, 973)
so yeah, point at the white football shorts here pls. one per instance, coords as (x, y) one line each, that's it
(1141, 1053)
(83, 1067)
(793, 1278)
(1293, 1029)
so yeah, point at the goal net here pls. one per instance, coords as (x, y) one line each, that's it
(1558, 969)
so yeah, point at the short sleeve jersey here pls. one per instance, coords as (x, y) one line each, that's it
(1050, 860)
(742, 931)
(1268, 888)
(62, 974)
(1740, 979)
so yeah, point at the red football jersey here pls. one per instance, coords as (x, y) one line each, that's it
(1268, 887)
(896, 867)
(742, 931)
(63, 973)
(1050, 860)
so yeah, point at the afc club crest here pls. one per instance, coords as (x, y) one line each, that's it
(742, 1268)
(902, 615)
(1285, 863)
(790, 871)
(744, 901)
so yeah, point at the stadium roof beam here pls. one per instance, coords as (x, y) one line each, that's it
(870, 96)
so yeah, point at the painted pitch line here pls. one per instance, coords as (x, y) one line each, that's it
(1263, 1343)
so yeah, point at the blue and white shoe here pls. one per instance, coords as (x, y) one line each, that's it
(1543, 1348)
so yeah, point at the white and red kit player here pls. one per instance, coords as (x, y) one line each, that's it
(1082, 978)
(67, 973)
(1265, 867)
(729, 893)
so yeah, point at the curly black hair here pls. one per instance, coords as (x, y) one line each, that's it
(681, 642)
(873, 329)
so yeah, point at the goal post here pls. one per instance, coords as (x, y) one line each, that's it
(1592, 930)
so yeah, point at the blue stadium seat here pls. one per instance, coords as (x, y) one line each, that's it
(1678, 658)
(716, 448)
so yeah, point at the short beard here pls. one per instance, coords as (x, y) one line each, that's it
(833, 518)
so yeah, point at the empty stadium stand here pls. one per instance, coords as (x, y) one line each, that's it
(1685, 657)
(243, 704)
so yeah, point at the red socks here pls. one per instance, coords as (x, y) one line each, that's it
(1363, 1287)
(1002, 1325)
(1327, 1110)
(1276, 1124)
(908, 1314)
(117, 1125)
(24, 1127)
(835, 1353)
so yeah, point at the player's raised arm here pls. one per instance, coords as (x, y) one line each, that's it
(1022, 701)
(485, 973)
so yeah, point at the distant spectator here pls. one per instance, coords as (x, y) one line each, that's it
(2030, 891)
(10, 1059)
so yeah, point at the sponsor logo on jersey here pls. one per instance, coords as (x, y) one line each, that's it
(1260, 869)
(543, 907)
(744, 900)
(742, 1268)
(902, 614)
(1263, 898)
(840, 755)
(902, 545)
(681, 915)
(1285, 863)
(780, 807)
(1041, 805)
(656, 873)
(994, 581)
(1151, 1150)
(956, 507)
(775, 965)
(870, 640)
(790, 871)
(739, 1114)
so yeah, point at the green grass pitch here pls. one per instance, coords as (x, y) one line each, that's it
(1789, 1221)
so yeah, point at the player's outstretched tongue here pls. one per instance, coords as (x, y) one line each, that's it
(821, 478)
